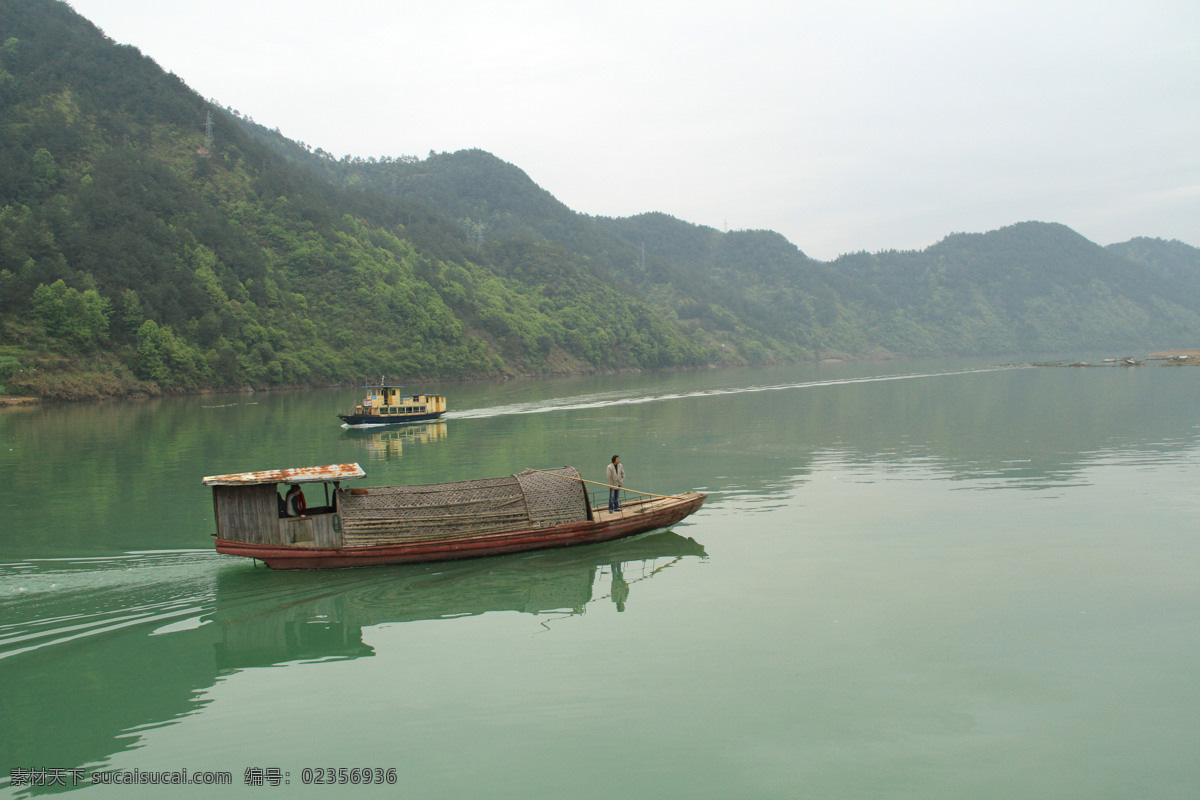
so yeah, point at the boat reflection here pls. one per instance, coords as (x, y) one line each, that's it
(249, 617)
(276, 617)
(386, 442)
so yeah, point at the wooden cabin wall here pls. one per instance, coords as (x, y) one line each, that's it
(318, 530)
(247, 513)
(251, 514)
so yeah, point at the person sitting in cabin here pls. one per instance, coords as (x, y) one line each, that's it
(294, 503)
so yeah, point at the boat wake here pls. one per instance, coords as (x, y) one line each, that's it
(43, 597)
(611, 399)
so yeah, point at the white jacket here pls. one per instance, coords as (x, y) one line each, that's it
(616, 474)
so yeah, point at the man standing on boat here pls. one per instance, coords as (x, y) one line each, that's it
(616, 479)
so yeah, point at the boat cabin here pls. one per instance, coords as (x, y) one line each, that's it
(388, 401)
(250, 507)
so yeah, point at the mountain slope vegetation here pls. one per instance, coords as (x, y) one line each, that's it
(139, 254)
(1029, 287)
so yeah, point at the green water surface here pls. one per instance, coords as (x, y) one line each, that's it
(910, 580)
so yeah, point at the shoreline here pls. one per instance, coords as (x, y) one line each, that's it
(1169, 358)
(1172, 357)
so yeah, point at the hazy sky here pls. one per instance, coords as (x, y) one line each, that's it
(847, 125)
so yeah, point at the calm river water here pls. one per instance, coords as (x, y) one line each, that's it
(911, 580)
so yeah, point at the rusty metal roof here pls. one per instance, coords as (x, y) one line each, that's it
(329, 472)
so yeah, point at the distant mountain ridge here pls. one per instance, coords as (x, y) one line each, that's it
(1028, 287)
(137, 255)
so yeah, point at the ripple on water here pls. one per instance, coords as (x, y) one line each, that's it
(53, 601)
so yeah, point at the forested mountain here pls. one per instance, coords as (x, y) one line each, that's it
(1173, 259)
(140, 254)
(135, 254)
(1031, 287)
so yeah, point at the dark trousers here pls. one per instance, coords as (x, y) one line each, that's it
(614, 499)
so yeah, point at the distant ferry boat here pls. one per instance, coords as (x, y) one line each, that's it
(384, 405)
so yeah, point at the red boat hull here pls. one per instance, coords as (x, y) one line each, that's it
(636, 517)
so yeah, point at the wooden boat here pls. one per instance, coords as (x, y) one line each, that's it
(385, 405)
(530, 510)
